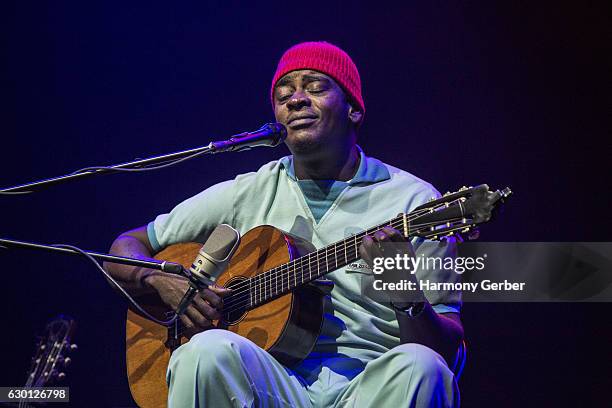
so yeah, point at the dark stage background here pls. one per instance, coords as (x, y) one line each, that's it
(509, 93)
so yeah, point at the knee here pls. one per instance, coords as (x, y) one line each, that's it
(419, 362)
(214, 345)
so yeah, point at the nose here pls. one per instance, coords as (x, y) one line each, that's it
(298, 100)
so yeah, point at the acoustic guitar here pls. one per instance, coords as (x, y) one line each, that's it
(50, 358)
(272, 302)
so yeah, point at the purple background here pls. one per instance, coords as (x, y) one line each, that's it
(507, 94)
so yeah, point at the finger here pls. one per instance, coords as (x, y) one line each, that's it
(380, 236)
(393, 234)
(188, 328)
(368, 250)
(220, 290)
(187, 324)
(212, 298)
(205, 309)
(197, 318)
(399, 243)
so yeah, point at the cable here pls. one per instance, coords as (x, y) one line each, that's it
(114, 282)
(15, 192)
(112, 169)
(137, 170)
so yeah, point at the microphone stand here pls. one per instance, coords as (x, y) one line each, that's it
(271, 134)
(136, 164)
(163, 266)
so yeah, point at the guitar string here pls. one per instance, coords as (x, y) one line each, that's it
(22, 402)
(246, 302)
(266, 277)
(262, 281)
(338, 244)
(282, 277)
(56, 350)
(245, 288)
(242, 302)
(49, 358)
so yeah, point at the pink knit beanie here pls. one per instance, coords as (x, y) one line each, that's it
(326, 58)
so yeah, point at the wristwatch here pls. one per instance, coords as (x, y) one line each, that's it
(412, 309)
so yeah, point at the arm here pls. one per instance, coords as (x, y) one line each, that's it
(169, 287)
(440, 332)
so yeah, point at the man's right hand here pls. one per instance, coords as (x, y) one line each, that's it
(205, 308)
(171, 288)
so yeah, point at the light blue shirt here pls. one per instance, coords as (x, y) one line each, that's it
(355, 326)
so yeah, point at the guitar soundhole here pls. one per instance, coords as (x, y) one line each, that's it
(235, 304)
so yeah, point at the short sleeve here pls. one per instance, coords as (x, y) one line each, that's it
(195, 218)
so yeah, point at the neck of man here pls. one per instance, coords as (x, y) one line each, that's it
(331, 163)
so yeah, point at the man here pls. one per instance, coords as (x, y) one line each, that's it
(327, 190)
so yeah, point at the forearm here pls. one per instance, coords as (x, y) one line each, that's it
(440, 332)
(131, 278)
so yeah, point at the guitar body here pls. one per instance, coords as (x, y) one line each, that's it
(287, 327)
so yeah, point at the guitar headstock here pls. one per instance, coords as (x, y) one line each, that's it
(51, 356)
(456, 213)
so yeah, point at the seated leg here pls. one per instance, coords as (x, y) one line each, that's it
(218, 368)
(409, 375)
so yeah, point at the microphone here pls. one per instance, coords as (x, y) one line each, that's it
(211, 262)
(270, 135)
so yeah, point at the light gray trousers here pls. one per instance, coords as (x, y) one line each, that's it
(218, 369)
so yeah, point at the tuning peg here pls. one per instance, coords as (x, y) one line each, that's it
(61, 376)
(67, 361)
(447, 193)
(463, 188)
(74, 347)
(432, 198)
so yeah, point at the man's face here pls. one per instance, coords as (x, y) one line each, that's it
(314, 109)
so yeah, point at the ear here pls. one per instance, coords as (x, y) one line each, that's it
(355, 115)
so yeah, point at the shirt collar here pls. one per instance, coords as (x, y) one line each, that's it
(370, 170)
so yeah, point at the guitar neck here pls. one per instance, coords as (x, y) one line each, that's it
(435, 220)
(300, 271)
